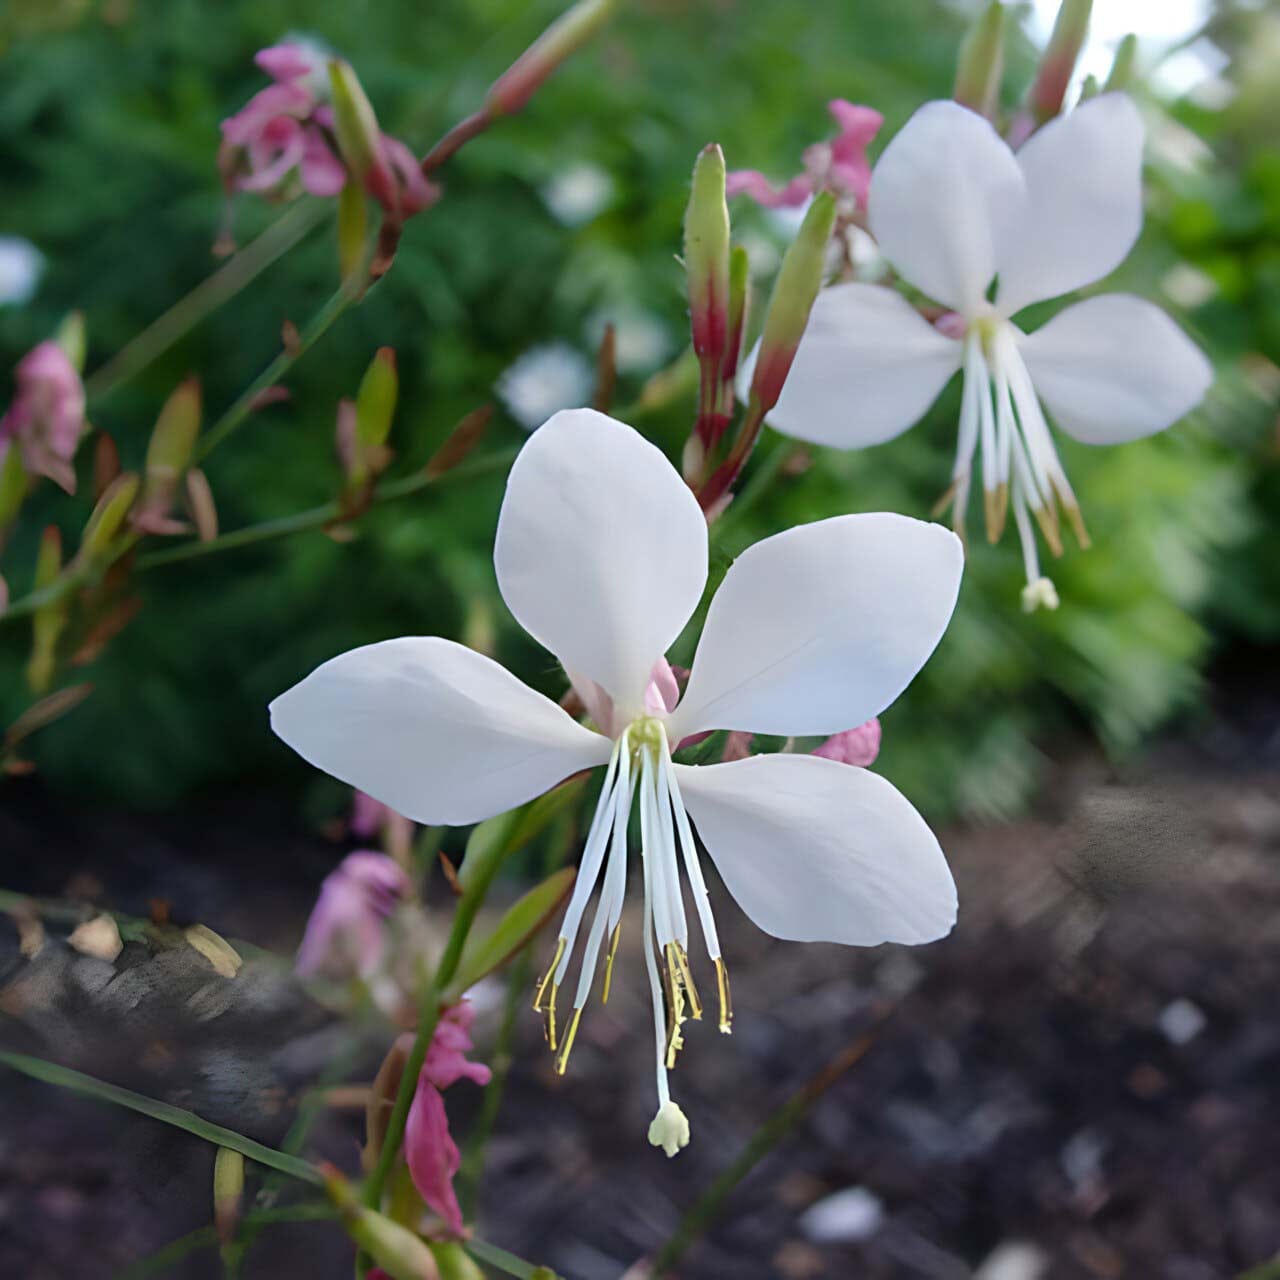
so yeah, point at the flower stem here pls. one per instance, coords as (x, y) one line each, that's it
(207, 1237)
(235, 416)
(506, 1262)
(765, 1138)
(78, 1082)
(235, 274)
(318, 517)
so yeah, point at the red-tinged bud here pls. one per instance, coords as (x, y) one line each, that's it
(4, 595)
(1059, 60)
(173, 441)
(706, 257)
(739, 278)
(228, 1192)
(400, 1253)
(200, 504)
(460, 441)
(565, 36)
(981, 62)
(799, 279)
(359, 138)
(106, 464)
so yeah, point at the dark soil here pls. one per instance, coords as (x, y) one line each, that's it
(1083, 1081)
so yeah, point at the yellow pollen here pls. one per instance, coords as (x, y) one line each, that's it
(551, 1018)
(726, 1003)
(563, 1060)
(546, 978)
(608, 964)
(686, 978)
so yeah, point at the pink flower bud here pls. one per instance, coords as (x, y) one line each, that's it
(858, 746)
(46, 417)
(345, 934)
(430, 1152)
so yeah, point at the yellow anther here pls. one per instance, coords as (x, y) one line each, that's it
(996, 502)
(551, 1018)
(686, 977)
(608, 964)
(563, 1060)
(1047, 519)
(1076, 520)
(726, 1003)
(546, 978)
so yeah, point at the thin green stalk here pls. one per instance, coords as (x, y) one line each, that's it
(765, 1138)
(506, 1262)
(207, 1237)
(235, 416)
(78, 1082)
(318, 517)
(764, 474)
(223, 285)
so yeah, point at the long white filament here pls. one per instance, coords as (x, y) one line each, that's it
(649, 939)
(692, 867)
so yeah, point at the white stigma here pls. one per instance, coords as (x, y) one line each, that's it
(1040, 594)
(669, 1129)
(641, 761)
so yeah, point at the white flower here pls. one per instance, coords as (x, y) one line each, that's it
(954, 209)
(545, 380)
(577, 194)
(21, 264)
(601, 555)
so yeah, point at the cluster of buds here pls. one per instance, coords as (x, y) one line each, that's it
(314, 130)
(717, 274)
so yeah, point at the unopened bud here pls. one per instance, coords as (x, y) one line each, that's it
(454, 1262)
(566, 35)
(799, 279)
(1059, 60)
(359, 138)
(72, 339)
(1121, 75)
(460, 441)
(400, 1253)
(13, 485)
(739, 280)
(353, 222)
(376, 399)
(109, 515)
(228, 1190)
(706, 256)
(172, 443)
(49, 619)
(200, 503)
(981, 62)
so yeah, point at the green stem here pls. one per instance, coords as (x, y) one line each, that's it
(763, 475)
(765, 1138)
(235, 416)
(506, 1262)
(235, 274)
(318, 517)
(207, 1237)
(78, 1082)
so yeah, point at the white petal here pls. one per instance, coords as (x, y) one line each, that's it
(601, 549)
(440, 733)
(1115, 368)
(868, 367)
(819, 628)
(942, 197)
(1084, 203)
(816, 851)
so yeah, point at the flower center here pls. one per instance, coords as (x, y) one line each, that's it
(640, 768)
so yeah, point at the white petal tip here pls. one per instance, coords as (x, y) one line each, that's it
(669, 1129)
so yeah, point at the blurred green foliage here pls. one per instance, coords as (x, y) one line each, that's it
(108, 131)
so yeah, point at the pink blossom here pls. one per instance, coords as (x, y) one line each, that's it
(46, 417)
(430, 1151)
(853, 746)
(277, 131)
(839, 166)
(345, 934)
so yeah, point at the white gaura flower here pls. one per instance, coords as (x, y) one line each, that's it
(601, 555)
(954, 210)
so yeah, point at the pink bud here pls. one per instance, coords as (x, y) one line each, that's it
(858, 746)
(430, 1152)
(46, 418)
(345, 934)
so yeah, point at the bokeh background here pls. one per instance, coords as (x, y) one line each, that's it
(1159, 667)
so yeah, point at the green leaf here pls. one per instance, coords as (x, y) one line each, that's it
(522, 920)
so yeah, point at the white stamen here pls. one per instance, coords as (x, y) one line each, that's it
(692, 867)
(650, 963)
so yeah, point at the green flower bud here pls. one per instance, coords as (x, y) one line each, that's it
(565, 36)
(981, 62)
(706, 255)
